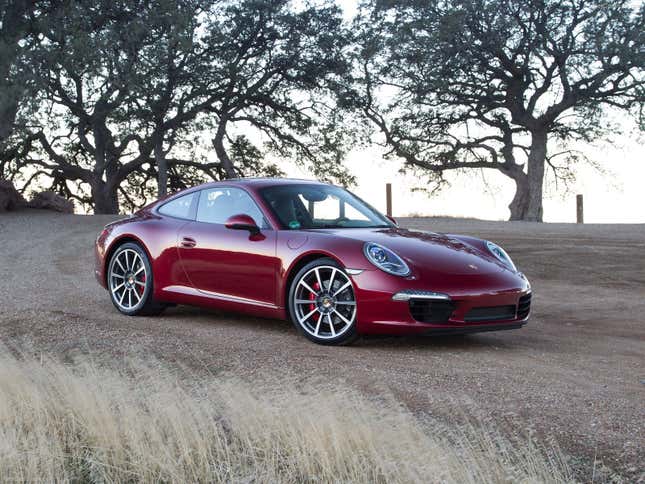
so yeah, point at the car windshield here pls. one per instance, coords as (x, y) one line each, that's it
(309, 206)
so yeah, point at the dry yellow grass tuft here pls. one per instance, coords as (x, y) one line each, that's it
(88, 423)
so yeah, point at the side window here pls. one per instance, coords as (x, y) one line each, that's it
(216, 205)
(179, 207)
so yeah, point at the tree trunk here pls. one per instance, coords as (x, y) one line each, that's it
(162, 169)
(105, 198)
(536, 161)
(222, 155)
(510, 168)
(519, 205)
(8, 110)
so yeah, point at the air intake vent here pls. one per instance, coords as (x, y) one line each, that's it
(426, 311)
(493, 313)
(524, 306)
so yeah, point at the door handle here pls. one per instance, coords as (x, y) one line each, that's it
(188, 242)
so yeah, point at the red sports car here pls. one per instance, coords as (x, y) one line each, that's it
(310, 252)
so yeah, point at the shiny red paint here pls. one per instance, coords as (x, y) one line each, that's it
(233, 267)
(242, 222)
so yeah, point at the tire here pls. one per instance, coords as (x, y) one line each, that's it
(130, 281)
(323, 314)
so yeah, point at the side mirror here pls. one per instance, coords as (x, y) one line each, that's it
(242, 222)
(392, 219)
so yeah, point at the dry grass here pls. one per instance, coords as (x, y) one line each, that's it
(88, 423)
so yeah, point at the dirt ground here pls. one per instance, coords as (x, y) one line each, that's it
(576, 372)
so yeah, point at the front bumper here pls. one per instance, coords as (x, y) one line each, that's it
(390, 305)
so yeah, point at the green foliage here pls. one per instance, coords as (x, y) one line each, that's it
(133, 94)
(486, 83)
(116, 102)
(279, 68)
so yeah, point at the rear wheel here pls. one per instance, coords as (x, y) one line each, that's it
(130, 281)
(322, 303)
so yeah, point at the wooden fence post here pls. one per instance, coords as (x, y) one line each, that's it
(580, 218)
(388, 198)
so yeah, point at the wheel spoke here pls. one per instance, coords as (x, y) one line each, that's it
(345, 320)
(139, 283)
(306, 286)
(320, 284)
(342, 288)
(114, 274)
(347, 303)
(115, 289)
(136, 294)
(142, 268)
(136, 260)
(304, 301)
(130, 262)
(308, 315)
(122, 297)
(129, 298)
(318, 325)
(120, 265)
(331, 324)
(331, 279)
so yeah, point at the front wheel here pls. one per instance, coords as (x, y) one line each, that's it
(130, 281)
(322, 303)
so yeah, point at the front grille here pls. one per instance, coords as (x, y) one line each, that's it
(426, 311)
(493, 313)
(524, 306)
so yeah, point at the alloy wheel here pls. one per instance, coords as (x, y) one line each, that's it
(324, 302)
(128, 279)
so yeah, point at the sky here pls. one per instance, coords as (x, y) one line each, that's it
(616, 195)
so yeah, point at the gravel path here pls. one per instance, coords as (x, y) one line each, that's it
(576, 372)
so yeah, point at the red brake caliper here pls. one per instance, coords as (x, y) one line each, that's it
(312, 297)
(142, 288)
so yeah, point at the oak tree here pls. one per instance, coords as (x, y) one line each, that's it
(496, 84)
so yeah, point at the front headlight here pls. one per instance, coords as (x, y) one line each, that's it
(501, 254)
(385, 259)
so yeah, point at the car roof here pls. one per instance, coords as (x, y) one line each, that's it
(261, 182)
(253, 183)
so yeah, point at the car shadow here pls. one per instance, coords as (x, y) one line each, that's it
(439, 342)
(210, 317)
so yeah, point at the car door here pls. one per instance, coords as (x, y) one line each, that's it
(234, 265)
(162, 234)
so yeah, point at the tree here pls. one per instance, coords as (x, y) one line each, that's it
(132, 91)
(177, 86)
(14, 27)
(171, 91)
(90, 138)
(496, 84)
(261, 80)
(278, 69)
(18, 33)
(86, 63)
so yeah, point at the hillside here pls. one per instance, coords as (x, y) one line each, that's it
(576, 372)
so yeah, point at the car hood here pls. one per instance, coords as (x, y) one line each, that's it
(427, 251)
